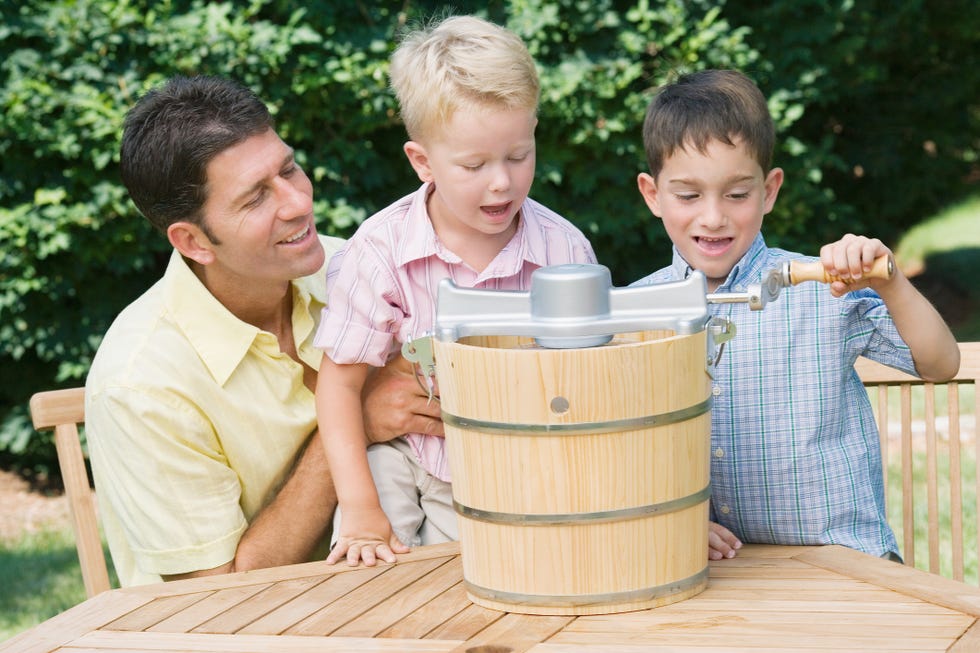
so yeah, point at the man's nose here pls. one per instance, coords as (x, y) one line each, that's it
(294, 198)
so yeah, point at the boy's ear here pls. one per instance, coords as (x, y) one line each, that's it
(191, 241)
(419, 159)
(648, 189)
(772, 184)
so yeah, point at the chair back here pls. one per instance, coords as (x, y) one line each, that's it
(928, 435)
(63, 411)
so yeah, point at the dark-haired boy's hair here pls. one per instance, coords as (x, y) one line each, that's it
(697, 108)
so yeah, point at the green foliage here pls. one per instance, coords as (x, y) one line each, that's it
(890, 128)
(74, 251)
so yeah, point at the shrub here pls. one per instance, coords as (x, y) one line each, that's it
(75, 251)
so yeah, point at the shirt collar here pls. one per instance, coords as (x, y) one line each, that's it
(747, 270)
(220, 338)
(420, 240)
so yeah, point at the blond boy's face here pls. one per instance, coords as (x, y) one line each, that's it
(482, 164)
(712, 204)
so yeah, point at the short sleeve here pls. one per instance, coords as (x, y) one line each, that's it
(870, 331)
(363, 311)
(179, 500)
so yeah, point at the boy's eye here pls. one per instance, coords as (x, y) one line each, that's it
(686, 197)
(741, 195)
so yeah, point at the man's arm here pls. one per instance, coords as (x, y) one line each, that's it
(395, 403)
(290, 528)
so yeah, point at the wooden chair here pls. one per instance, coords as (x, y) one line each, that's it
(63, 411)
(947, 475)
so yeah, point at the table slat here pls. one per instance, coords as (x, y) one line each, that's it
(302, 605)
(514, 633)
(145, 642)
(405, 602)
(364, 597)
(435, 613)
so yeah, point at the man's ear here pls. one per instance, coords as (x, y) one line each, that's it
(191, 241)
(419, 158)
(648, 189)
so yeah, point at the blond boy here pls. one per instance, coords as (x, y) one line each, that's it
(468, 94)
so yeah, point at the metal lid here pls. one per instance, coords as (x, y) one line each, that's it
(571, 305)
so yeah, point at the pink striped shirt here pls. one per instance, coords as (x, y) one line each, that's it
(382, 285)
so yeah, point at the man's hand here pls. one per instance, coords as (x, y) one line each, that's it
(395, 404)
(722, 543)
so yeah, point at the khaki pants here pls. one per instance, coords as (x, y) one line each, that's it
(418, 505)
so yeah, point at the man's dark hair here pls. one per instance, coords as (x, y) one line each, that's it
(172, 134)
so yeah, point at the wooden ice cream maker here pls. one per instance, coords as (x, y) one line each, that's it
(578, 424)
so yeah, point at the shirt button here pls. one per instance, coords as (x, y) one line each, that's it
(715, 390)
(725, 510)
(719, 453)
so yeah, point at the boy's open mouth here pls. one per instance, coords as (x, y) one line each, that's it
(713, 245)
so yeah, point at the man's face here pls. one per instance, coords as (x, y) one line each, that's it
(260, 213)
(712, 204)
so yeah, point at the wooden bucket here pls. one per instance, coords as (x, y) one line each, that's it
(580, 476)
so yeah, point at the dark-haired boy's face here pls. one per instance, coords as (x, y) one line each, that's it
(712, 204)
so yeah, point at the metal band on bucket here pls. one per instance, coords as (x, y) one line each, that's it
(583, 428)
(560, 519)
(579, 600)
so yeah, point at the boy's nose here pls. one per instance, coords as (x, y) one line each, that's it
(500, 181)
(713, 216)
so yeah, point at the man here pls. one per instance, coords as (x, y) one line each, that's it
(200, 413)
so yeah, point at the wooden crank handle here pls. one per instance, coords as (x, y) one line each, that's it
(799, 271)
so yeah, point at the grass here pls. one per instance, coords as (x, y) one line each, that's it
(967, 476)
(955, 228)
(40, 577)
(894, 503)
(942, 256)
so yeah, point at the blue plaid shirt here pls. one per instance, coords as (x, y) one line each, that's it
(795, 457)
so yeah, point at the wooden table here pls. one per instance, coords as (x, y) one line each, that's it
(769, 598)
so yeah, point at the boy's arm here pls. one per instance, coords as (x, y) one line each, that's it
(365, 533)
(934, 349)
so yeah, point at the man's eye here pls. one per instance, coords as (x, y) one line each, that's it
(255, 201)
(289, 172)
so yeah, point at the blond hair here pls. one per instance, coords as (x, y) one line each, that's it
(461, 62)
